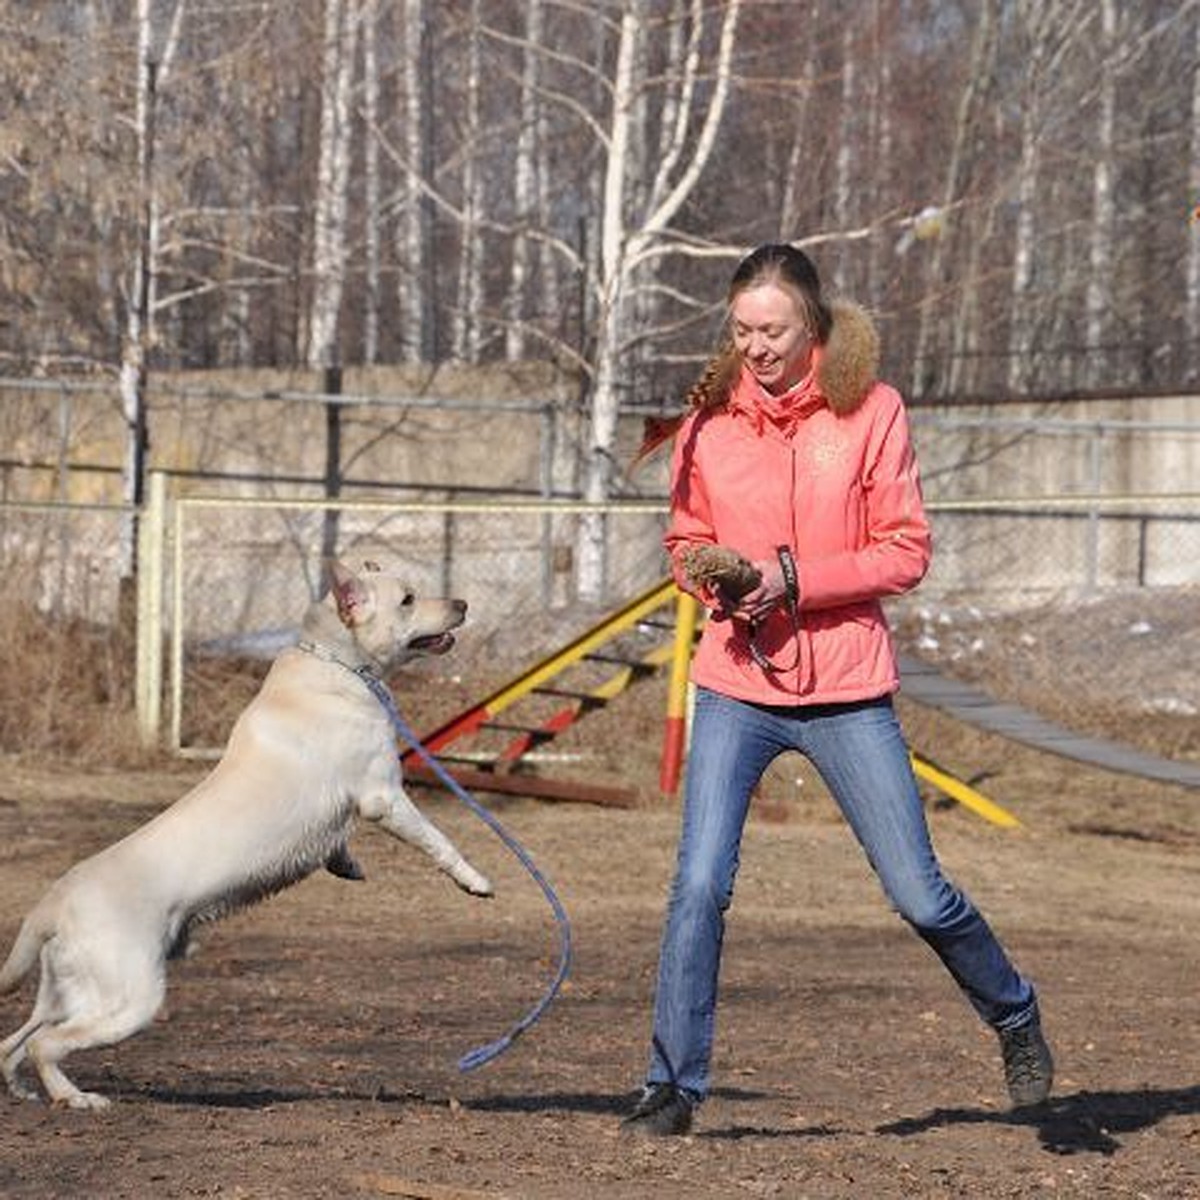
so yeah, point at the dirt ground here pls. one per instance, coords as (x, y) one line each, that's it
(311, 1043)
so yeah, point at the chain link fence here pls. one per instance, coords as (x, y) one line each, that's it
(1064, 576)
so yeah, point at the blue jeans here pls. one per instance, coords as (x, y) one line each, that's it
(861, 755)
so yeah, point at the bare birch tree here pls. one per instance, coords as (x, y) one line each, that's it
(972, 105)
(465, 329)
(1021, 322)
(372, 190)
(339, 48)
(1104, 207)
(629, 238)
(848, 143)
(1051, 28)
(1054, 161)
(153, 69)
(797, 175)
(525, 184)
(414, 232)
(1192, 322)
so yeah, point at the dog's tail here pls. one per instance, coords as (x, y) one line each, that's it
(23, 955)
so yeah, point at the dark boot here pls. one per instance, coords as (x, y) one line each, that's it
(662, 1110)
(1028, 1064)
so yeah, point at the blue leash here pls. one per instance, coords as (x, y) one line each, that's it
(485, 1054)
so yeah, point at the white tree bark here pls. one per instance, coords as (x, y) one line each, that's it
(629, 238)
(1021, 328)
(882, 140)
(971, 104)
(525, 185)
(371, 186)
(1104, 208)
(797, 178)
(606, 398)
(465, 335)
(412, 232)
(1051, 27)
(333, 175)
(1192, 311)
(153, 68)
(843, 203)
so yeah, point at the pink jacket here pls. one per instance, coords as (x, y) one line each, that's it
(836, 481)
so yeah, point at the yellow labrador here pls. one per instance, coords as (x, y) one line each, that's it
(312, 751)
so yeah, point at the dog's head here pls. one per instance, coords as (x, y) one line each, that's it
(389, 623)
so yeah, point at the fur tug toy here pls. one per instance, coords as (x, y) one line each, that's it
(720, 570)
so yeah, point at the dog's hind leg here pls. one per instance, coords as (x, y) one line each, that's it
(12, 1055)
(47, 1008)
(50, 1044)
(97, 1007)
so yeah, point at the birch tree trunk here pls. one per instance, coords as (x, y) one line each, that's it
(628, 239)
(465, 336)
(1020, 336)
(1051, 27)
(843, 206)
(1104, 209)
(525, 185)
(333, 174)
(131, 377)
(796, 175)
(971, 104)
(1192, 310)
(415, 288)
(881, 139)
(605, 400)
(372, 295)
(152, 72)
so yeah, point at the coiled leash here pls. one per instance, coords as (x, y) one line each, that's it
(791, 583)
(484, 1054)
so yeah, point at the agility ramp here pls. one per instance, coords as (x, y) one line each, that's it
(663, 612)
(927, 686)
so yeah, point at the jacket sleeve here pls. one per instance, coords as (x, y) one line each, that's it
(691, 515)
(898, 545)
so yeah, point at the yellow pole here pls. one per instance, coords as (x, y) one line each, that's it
(675, 733)
(966, 795)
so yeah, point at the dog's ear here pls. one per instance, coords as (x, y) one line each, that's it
(355, 598)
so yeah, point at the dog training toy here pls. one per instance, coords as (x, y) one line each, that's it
(720, 570)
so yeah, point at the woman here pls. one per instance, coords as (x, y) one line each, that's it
(795, 462)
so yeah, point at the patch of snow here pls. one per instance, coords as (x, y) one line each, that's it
(1170, 706)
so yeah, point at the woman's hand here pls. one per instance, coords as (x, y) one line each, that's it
(770, 593)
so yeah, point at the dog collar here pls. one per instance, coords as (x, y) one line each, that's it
(327, 655)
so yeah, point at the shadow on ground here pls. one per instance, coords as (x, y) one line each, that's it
(1086, 1122)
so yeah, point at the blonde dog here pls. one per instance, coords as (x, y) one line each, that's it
(314, 750)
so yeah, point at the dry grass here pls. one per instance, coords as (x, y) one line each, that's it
(66, 690)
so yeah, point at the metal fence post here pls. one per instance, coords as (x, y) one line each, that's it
(1095, 486)
(150, 644)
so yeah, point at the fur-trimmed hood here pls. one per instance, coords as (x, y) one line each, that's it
(845, 369)
(848, 363)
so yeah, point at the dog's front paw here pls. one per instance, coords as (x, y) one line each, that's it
(343, 864)
(471, 881)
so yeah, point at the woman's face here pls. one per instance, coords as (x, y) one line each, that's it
(771, 336)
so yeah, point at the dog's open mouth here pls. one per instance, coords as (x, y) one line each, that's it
(433, 643)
